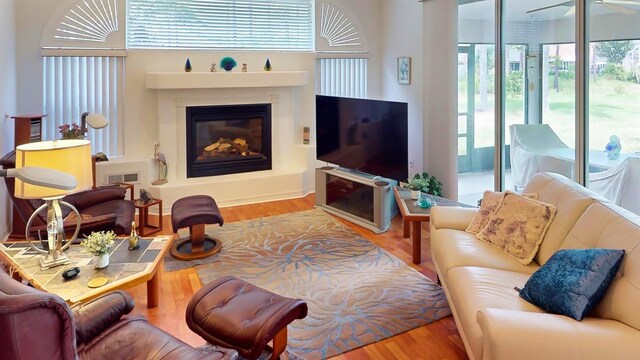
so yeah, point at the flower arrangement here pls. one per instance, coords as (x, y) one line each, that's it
(99, 242)
(72, 131)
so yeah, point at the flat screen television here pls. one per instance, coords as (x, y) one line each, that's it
(364, 135)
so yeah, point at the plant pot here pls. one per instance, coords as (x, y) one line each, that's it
(415, 194)
(100, 261)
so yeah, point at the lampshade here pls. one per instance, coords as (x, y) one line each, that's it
(72, 157)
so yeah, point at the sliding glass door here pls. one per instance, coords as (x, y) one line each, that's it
(613, 110)
(566, 93)
(476, 96)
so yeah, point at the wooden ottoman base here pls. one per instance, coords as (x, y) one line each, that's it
(196, 246)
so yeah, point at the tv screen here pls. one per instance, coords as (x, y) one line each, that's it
(365, 135)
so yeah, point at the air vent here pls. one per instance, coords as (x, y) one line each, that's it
(131, 178)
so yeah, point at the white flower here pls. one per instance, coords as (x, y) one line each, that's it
(99, 243)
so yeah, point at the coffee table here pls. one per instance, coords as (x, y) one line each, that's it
(415, 215)
(126, 269)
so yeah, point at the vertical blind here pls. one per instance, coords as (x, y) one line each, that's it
(342, 77)
(73, 85)
(244, 24)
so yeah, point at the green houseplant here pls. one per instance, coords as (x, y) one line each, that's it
(424, 183)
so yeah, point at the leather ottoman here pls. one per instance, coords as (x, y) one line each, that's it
(194, 212)
(232, 313)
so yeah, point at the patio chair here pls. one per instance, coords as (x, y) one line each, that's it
(631, 188)
(609, 183)
(530, 144)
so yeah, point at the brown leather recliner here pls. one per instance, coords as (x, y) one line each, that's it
(35, 325)
(102, 209)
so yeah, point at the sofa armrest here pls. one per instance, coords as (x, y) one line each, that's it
(510, 334)
(451, 217)
(93, 317)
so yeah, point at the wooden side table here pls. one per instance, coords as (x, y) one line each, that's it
(144, 228)
(415, 215)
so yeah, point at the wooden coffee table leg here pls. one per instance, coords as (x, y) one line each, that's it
(417, 241)
(407, 228)
(152, 290)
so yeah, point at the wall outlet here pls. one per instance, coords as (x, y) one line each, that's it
(412, 164)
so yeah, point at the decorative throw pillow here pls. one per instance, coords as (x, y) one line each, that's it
(518, 226)
(490, 202)
(573, 281)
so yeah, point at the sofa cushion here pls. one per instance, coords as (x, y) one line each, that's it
(455, 248)
(570, 200)
(473, 288)
(490, 202)
(573, 281)
(519, 226)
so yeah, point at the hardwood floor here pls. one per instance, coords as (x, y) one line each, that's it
(439, 340)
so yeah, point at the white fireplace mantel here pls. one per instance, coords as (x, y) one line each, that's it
(225, 80)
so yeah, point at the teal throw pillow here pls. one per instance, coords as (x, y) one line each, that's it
(573, 281)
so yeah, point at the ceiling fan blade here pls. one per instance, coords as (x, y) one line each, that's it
(622, 2)
(619, 8)
(566, 3)
(570, 12)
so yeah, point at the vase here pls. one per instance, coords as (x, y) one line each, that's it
(101, 261)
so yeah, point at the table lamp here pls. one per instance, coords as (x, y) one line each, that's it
(72, 157)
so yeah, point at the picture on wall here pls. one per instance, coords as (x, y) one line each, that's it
(404, 70)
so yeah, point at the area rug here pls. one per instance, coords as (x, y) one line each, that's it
(357, 292)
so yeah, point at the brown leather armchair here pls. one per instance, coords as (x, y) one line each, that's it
(102, 208)
(35, 325)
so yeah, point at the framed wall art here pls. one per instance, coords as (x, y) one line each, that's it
(404, 70)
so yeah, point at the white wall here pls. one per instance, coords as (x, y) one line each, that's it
(141, 106)
(405, 40)
(440, 29)
(7, 98)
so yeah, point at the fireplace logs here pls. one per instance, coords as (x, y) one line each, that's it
(226, 147)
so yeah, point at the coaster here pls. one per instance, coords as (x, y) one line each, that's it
(97, 282)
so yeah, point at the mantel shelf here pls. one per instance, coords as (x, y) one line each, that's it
(225, 80)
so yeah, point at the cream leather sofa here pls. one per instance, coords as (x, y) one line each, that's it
(495, 323)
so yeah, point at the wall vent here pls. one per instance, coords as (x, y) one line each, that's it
(131, 178)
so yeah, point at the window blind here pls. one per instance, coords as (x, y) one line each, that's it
(231, 24)
(342, 77)
(73, 85)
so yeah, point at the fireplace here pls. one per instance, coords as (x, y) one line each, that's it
(228, 139)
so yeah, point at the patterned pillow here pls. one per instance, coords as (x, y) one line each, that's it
(573, 281)
(518, 226)
(490, 202)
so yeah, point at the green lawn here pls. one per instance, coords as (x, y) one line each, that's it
(614, 109)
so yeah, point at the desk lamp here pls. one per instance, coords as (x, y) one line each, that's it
(94, 120)
(72, 157)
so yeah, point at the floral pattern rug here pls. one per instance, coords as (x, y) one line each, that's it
(357, 292)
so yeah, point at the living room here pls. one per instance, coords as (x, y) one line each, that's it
(148, 130)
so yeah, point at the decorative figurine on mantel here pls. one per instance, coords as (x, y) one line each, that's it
(161, 160)
(213, 67)
(133, 238)
(244, 67)
(145, 196)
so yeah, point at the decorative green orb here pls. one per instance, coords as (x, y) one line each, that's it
(228, 63)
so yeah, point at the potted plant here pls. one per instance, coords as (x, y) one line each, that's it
(72, 131)
(424, 183)
(98, 244)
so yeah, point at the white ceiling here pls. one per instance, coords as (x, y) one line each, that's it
(516, 10)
